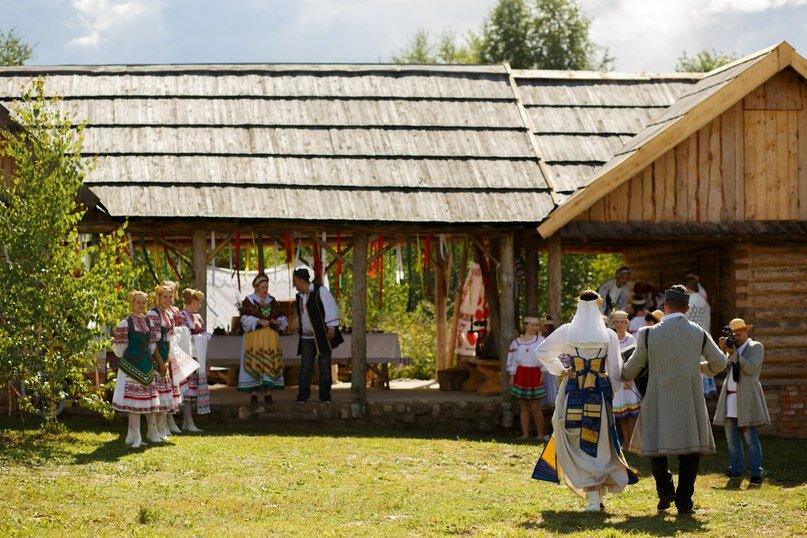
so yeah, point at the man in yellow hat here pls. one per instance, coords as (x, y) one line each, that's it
(741, 407)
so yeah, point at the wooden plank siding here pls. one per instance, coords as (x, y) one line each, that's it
(748, 164)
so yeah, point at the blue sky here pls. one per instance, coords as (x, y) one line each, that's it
(643, 35)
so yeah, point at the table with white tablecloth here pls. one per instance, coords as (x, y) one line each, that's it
(383, 349)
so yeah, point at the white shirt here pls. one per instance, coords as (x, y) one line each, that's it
(522, 353)
(673, 316)
(627, 341)
(731, 385)
(328, 303)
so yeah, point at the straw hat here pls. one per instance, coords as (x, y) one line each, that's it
(619, 314)
(657, 314)
(738, 324)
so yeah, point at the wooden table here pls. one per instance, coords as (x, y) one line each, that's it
(383, 349)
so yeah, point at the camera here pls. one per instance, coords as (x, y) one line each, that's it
(728, 334)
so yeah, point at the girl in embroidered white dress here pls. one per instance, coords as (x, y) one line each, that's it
(626, 400)
(526, 379)
(135, 390)
(194, 388)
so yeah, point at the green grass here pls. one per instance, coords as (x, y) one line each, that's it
(253, 480)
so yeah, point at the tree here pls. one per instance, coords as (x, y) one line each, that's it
(561, 38)
(704, 61)
(13, 50)
(507, 34)
(58, 291)
(423, 48)
(551, 34)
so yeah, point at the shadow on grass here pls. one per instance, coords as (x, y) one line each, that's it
(569, 521)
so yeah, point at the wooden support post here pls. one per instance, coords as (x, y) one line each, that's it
(358, 368)
(554, 279)
(533, 267)
(440, 308)
(507, 320)
(199, 256)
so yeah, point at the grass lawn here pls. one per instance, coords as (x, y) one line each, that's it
(249, 480)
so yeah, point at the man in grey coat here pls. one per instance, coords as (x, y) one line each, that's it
(673, 420)
(741, 407)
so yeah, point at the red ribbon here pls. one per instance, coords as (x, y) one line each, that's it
(287, 240)
(168, 257)
(338, 263)
(380, 270)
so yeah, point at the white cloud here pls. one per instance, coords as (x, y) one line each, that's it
(649, 35)
(97, 19)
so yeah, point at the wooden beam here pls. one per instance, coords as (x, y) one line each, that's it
(220, 246)
(440, 311)
(555, 288)
(533, 268)
(393, 243)
(199, 265)
(333, 262)
(620, 170)
(176, 250)
(358, 368)
(481, 246)
(507, 321)
(326, 246)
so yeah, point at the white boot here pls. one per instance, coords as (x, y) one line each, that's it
(153, 434)
(187, 422)
(162, 427)
(137, 441)
(593, 501)
(134, 428)
(172, 426)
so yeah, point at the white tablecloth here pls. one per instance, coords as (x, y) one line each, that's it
(225, 350)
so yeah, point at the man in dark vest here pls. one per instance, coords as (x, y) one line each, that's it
(319, 333)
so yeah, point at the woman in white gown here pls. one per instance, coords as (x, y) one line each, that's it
(584, 450)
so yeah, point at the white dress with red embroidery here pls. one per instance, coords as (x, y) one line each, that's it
(130, 396)
(170, 397)
(199, 337)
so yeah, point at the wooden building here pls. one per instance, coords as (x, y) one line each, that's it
(676, 171)
(718, 183)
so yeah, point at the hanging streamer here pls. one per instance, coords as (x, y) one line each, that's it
(287, 240)
(131, 245)
(261, 265)
(148, 260)
(427, 258)
(315, 248)
(212, 249)
(169, 260)
(399, 270)
(338, 263)
(237, 259)
(380, 270)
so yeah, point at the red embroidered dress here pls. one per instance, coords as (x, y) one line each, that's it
(162, 324)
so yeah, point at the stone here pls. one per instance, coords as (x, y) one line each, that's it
(408, 418)
(244, 413)
(344, 413)
(400, 408)
(424, 420)
(387, 408)
(436, 410)
(485, 426)
(376, 411)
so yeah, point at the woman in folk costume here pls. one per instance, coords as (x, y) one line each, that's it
(163, 322)
(135, 391)
(194, 388)
(550, 381)
(262, 322)
(526, 380)
(626, 400)
(584, 449)
(182, 364)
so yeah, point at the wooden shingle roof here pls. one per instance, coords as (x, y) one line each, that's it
(442, 144)
(581, 119)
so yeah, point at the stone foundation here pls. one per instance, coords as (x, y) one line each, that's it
(454, 417)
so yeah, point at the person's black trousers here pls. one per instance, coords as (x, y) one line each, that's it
(687, 473)
(308, 354)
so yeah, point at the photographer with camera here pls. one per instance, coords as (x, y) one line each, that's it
(741, 407)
